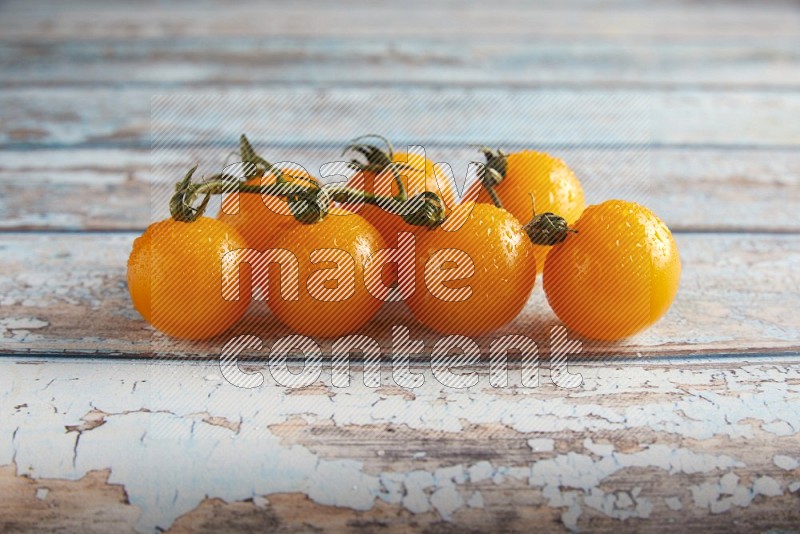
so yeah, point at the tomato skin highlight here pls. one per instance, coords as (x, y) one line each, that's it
(535, 175)
(175, 274)
(503, 277)
(615, 277)
(310, 316)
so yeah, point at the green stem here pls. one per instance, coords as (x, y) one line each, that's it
(494, 171)
(422, 211)
(378, 160)
(489, 178)
(309, 203)
(258, 166)
(402, 192)
(548, 229)
(493, 195)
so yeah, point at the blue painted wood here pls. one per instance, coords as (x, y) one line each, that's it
(317, 117)
(240, 61)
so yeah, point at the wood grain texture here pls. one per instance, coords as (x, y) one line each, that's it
(640, 446)
(689, 107)
(691, 189)
(299, 116)
(705, 21)
(90, 504)
(739, 294)
(503, 61)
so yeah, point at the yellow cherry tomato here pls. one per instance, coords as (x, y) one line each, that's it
(617, 275)
(530, 176)
(475, 279)
(175, 277)
(260, 218)
(333, 299)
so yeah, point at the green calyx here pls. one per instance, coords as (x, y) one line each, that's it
(255, 165)
(377, 160)
(495, 166)
(309, 205)
(425, 209)
(181, 205)
(548, 229)
(493, 172)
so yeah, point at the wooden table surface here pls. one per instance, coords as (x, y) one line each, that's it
(692, 108)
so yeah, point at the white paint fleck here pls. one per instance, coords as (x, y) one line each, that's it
(767, 486)
(728, 483)
(624, 500)
(556, 498)
(41, 493)
(673, 503)
(785, 462)
(500, 476)
(28, 323)
(742, 496)
(392, 485)
(541, 444)
(570, 517)
(779, 428)
(721, 506)
(794, 487)
(260, 502)
(18, 329)
(600, 449)
(619, 505)
(447, 500)
(416, 500)
(704, 494)
(480, 471)
(475, 500)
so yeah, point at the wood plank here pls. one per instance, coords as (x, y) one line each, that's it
(112, 189)
(650, 20)
(533, 61)
(640, 446)
(299, 116)
(739, 294)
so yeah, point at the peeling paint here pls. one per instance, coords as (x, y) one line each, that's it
(673, 503)
(26, 323)
(476, 500)
(18, 329)
(59, 427)
(541, 444)
(785, 462)
(767, 486)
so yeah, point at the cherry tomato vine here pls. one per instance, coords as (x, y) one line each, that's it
(621, 245)
(309, 204)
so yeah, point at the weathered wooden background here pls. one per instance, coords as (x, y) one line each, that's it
(691, 107)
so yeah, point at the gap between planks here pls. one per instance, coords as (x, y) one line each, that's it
(720, 361)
